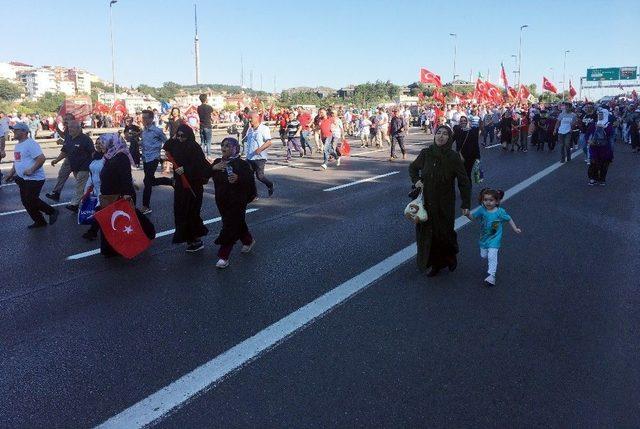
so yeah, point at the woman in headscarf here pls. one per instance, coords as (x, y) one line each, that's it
(116, 180)
(191, 164)
(235, 187)
(466, 139)
(436, 170)
(600, 148)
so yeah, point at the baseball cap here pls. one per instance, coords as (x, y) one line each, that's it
(20, 126)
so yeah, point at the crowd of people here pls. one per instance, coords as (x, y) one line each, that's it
(105, 167)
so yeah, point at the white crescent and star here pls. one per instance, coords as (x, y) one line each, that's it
(118, 213)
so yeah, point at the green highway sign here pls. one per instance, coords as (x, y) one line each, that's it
(612, 73)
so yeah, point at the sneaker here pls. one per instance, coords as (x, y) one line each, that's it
(37, 225)
(53, 217)
(247, 247)
(324, 166)
(391, 159)
(55, 196)
(490, 281)
(270, 191)
(195, 246)
(338, 161)
(592, 182)
(146, 210)
(72, 207)
(222, 263)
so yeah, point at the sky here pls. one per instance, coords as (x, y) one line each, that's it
(337, 43)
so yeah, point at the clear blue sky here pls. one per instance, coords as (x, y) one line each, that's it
(334, 44)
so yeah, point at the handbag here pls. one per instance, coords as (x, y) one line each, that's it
(415, 210)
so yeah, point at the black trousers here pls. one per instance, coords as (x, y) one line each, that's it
(30, 196)
(258, 168)
(134, 150)
(598, 170)
(150, 181)
(400, 140)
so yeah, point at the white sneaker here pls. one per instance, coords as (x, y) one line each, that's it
(338, 161)
(324, 166)
(490, 281)
(247, 248)
(222, 263)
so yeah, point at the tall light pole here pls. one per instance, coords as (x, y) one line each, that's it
(515, 72)
(522, 27)
(196, 45)
(564, 73)
(113, 55)
(455, 52)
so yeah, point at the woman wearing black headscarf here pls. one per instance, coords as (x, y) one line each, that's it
(235, 188)
(190, 163)
(466, 139)
(436, 170)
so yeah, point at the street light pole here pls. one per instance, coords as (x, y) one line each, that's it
(455, 52)
(515, 72)
(522, 27)
(113, 58)
(564, 73)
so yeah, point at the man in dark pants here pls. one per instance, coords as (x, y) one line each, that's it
(65, 168)
(206, 125)
(398, 129)
(258, 141)
(29, 175)
(152, 140)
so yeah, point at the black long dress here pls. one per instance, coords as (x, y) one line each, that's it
(467, 145)
(438, 168)
(232, 199)
(187, 205)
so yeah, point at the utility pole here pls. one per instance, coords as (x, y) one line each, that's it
(113, 55)
(241, 72)
(455, 53)
(196, 43)
(564, 73)
(522, 27)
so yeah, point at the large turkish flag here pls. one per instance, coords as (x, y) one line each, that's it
(121, 228)
(428, 77)
(546, 84)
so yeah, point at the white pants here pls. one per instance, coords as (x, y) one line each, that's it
(492, 255)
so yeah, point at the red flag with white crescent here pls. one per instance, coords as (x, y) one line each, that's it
(546, 84)
(493, 92)
(523, 92)
(512, 92)
(121, 228)
(429, 77)
(572, 91)
(438, 96)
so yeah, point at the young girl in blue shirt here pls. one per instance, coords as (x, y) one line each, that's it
(491, 217)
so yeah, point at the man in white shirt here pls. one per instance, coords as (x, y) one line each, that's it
(29, 175)
(566, 120)
(382, 128)
(407, 120)
(258, 141)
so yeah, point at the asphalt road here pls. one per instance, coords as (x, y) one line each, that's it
(555, 344)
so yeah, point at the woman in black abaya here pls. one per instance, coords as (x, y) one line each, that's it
(190, 163)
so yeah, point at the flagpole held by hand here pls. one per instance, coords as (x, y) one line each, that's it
(183, 178)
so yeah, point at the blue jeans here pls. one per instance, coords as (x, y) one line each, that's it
(564, 141)
(488, 131)
(582, 144)
(304, 141)
(328, 149)
(205, 139)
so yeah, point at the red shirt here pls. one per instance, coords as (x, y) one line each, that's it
(325, 127)
(305, 120)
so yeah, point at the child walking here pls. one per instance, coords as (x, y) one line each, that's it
(491, 217)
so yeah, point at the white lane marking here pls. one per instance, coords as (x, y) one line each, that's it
(8, 184)
(346, 185)
(24, 211)
(157, 405)
(493, 145)
(158, 235)
(368, 151)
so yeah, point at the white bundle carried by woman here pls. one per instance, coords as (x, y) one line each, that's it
(415, 210)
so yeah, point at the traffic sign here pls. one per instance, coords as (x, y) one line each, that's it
(612, 73)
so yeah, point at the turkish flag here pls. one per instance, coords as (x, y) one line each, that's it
(503, 75)
(481, 87)
(98, 107)
(523, 92)
(572, 91)
(494, 93)
(512, 92)
(438, 97)
(428, 77)
(121, 228)
(546, 84)
(119, 106)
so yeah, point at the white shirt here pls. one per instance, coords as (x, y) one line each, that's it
(256, 138)
(94, 177)
(566, 119)
(383, 119)
(24, 155)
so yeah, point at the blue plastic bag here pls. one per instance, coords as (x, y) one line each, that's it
(87, 209)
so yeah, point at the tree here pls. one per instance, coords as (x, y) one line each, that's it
(10, 91)
(48, 104)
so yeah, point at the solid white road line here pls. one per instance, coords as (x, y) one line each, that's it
(158, 235)
(159, 404)
(8, 184)
(346, 185)
(493, 145)
(24, 211)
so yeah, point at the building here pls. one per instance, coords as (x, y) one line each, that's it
(37, 82)
(134, 101)
(81, 80)
(347, 91)
(11, 70)
(184, 100)
(66, 87)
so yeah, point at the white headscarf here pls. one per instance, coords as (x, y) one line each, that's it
(605, 118)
